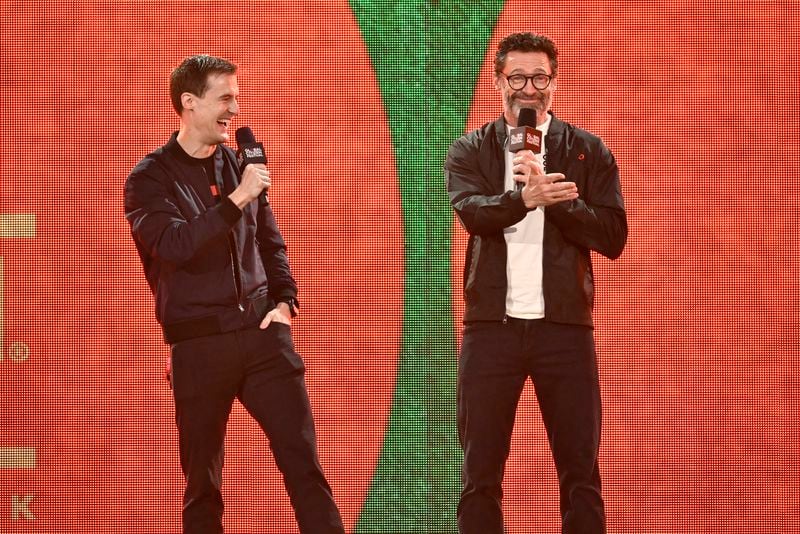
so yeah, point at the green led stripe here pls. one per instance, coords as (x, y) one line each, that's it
(427, 56)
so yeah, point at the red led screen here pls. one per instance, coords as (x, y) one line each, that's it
(696, 323)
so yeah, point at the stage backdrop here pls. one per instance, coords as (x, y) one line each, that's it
(356, 104)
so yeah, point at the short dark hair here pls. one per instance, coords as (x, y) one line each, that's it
(191, 76)
(526, 42)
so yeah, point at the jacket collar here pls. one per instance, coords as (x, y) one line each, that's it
(556, 131)
(175, 148)
(500, 130)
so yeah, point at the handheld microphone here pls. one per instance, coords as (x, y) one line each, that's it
(525, 136)
(250, 151)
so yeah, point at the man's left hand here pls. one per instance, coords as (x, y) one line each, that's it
(279, 314)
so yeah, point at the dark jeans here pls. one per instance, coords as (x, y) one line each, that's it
(262, 370)
(496, 359)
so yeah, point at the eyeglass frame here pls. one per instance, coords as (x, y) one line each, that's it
(527, 78)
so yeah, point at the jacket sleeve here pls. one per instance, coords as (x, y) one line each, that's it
(159, 226)
(479, 211)
(271, 246)
(596, 220)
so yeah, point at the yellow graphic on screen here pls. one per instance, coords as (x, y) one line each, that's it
(18, 225)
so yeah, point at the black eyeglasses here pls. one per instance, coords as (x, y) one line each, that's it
(517, 81)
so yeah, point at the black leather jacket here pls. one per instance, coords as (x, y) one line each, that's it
(475, 171)
(212, 267)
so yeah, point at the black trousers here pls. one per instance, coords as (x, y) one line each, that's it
(496, 359)
(262, 369)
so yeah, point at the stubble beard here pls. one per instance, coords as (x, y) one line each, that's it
(541, 103)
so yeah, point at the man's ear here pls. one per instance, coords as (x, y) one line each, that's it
(187, 100)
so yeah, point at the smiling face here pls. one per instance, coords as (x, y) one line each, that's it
(206, 119)
(527, 64)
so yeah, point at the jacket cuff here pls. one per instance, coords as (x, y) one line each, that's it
(519, 207)
(292, 301)
(230, 212)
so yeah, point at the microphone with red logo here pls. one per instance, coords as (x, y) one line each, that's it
(250, 151)
(525, 136)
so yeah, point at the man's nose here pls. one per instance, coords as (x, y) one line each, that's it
(529, 88)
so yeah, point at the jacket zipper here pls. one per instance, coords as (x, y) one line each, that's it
(235, 271)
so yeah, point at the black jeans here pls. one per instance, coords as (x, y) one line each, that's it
(262, 370)
(496, 359)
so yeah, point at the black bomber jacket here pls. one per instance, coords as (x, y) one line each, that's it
(212, 267)
(595, 221)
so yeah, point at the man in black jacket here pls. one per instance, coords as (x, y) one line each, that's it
(528, 287)
(216, 264)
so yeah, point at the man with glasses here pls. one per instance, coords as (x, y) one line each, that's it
(216, 263)
(533, 220)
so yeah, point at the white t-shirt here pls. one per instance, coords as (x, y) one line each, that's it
(524, 296)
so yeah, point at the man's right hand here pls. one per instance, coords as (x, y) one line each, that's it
(540, 188)
(255, 179)
(547, 189)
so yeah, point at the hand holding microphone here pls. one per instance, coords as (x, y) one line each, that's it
(526, 143)
(538, 188)
(253, 165)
